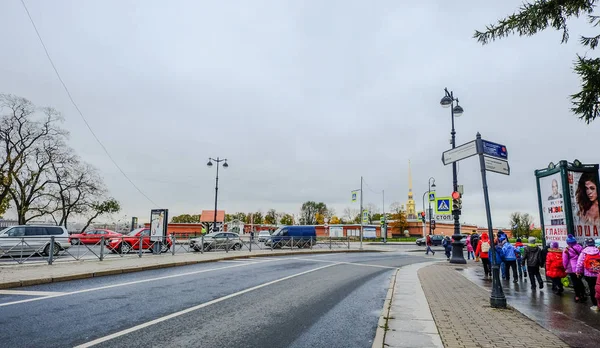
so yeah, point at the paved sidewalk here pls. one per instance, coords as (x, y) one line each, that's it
(408, 321)
(33, 274)
(464, 318)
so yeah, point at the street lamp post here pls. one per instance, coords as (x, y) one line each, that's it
(455, 111)
(429, 200)
(225, 165)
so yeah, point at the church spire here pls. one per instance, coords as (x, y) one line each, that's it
(410, 193)
(410, 205)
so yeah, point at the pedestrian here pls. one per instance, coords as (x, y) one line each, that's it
(520, 249)
(470, 253)
(251, 236)
(447, 243)
(475, 242)
(483, 247)
(588, 266)
(532, 257)
(510, 258)
(570, 256)
(555, 269)
(429, 243)
(498, 239)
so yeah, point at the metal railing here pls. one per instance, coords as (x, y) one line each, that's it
(50, 249)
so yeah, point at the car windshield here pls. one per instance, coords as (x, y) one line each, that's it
(277, 231)
(212, 235)
(134, 232)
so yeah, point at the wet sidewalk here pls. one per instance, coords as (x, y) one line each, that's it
(574, 323)
(464, 317)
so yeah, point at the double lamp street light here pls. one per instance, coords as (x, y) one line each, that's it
(431, 183)
(455, 111)
(225, 165)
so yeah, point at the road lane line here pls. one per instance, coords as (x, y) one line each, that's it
(54, 295)
(30, 293)
(191, 309)
(345, 263)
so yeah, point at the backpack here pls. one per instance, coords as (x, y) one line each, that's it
(485, 247)
(591, 263)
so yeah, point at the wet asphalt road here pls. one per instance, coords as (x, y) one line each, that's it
(329, 300)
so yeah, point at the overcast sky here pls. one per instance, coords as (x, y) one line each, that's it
(302, 98)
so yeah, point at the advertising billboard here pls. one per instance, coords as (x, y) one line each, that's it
(553, 209)
(158, 224)
(583, 192)
(369, 232)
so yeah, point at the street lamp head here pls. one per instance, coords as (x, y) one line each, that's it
(458, 111)
(446, 101)
(225, 165)
(433, 185)
(209, 164)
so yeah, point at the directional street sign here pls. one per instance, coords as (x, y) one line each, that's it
(494, 150)
(496, 165)
(431, 196)
(461, 152)
(443, 206)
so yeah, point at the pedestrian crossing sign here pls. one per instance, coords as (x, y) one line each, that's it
(443, 206)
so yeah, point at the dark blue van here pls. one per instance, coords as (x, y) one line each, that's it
(300, 236)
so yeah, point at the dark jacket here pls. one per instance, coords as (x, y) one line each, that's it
(532, 256)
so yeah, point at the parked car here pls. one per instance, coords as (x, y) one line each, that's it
(263, 236)
(300, 236)
(131, 241)
(29, 239)
(92, 237)
(435, 240)
(217, 240)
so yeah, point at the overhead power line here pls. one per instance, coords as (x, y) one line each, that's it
(77, 107)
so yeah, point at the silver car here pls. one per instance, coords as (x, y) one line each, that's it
(217, 240)
(33, 239)
(263, 236)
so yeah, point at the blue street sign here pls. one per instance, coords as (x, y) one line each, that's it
(432, 196)
(494, 150)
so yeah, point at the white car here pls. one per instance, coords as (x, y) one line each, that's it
(33, 239)
(263, 236)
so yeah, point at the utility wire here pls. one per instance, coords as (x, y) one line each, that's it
(77, 107)
(370, 189)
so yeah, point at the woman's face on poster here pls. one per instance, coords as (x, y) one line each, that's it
(591, 190)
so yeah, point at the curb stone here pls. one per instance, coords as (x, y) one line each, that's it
(382, 324)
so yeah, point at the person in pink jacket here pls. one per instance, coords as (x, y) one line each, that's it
(597, 282)
(569, 257)
(588, 266)
(470, 252)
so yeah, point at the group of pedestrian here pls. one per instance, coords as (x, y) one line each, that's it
(574, 263)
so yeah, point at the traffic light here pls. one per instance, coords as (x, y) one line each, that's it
(423, 216)
(456, 202)
(432, 224)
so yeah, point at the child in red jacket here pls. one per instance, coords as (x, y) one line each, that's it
(555, 269)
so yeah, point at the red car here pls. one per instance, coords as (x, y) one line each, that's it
(131, 241)
(92, 237)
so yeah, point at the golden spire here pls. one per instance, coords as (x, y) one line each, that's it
(410, 193)
(410, 205)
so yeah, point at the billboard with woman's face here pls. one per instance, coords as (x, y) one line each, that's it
(553, 209)
(583, 189)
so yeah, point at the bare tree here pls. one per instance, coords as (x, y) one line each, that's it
(395, 207)
(350, 214)
(97, 208)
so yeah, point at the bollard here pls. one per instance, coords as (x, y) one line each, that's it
(250, 245)
(102, 248)
(202, 247)
(227, 244)
(51, 250)
(311, 242)
(292, 243)
(329, 242)
(172, 244)
(140, 246)
(272, 242)
(348, 239)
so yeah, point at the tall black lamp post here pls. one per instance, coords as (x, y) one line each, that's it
(455, 111)
(431, 185)
(225, 165)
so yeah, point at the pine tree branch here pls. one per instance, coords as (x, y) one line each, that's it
(533, 18)
(585, 102)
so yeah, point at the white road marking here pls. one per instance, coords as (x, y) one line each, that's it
(29, 293)
(191, 309)
(345, 263)
(125, 284)
(239, 261)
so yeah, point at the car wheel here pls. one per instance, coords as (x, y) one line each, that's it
(54, 252)
(207, 247)
(75, 242)
(124, 248)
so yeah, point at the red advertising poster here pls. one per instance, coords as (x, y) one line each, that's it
(583, 189)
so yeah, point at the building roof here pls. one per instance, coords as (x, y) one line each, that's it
(209, 216)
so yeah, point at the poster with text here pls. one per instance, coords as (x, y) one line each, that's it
(157, 224)
(553, 208)
(583, 189)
